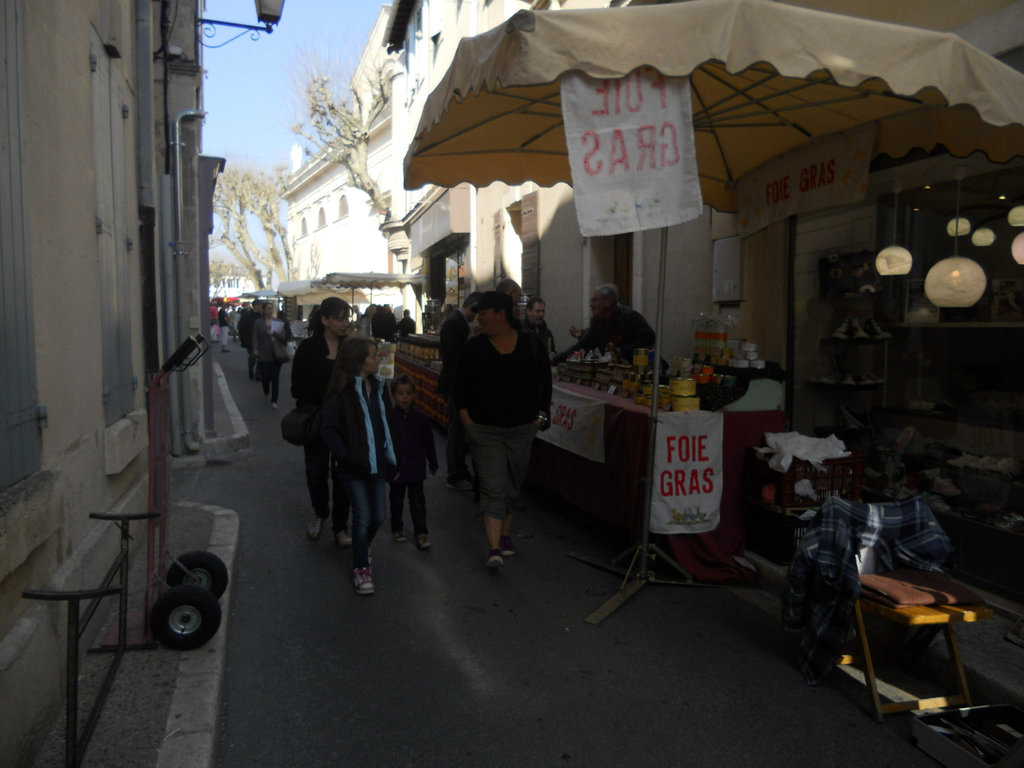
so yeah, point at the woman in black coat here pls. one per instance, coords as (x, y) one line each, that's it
(311, 374)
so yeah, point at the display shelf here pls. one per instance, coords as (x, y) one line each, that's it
(955, 324)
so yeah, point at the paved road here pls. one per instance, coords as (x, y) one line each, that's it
(452, 664)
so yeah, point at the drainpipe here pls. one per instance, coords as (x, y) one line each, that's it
(178, 403)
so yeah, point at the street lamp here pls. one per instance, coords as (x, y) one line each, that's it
(268, 12)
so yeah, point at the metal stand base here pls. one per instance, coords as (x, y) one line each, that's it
(636, 575)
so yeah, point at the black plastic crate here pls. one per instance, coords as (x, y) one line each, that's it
(772, 532)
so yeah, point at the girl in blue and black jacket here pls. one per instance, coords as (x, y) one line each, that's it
(357, 429)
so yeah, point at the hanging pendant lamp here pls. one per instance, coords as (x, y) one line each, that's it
(894, 259)
(956, 281)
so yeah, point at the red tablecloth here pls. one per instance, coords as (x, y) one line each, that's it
(613, 492)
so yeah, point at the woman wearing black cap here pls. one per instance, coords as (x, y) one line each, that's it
(503, 394)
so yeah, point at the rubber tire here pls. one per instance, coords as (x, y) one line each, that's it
(201, 569)
(185, 617)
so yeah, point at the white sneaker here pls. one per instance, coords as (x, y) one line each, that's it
(343, 539)
(460, 485)
(874, 330)
(855, 331)
(362, 580)
(316, 527)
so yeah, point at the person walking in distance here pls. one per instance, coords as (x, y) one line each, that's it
(414, 443)
(454, 334)
(311, 376)
(245, 326)
(270, 338)
(503, 395)
(357, 429)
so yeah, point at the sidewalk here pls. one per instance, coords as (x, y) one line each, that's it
(164, 709)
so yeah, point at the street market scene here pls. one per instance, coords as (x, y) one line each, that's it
(686, 330)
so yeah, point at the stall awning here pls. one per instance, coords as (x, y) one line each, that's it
(353, 287)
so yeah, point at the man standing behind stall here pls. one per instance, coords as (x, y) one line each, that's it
(454, 334)
(612, 326)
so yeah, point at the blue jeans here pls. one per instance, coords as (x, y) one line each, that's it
(368, 497)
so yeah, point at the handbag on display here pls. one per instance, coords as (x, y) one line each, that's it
(301, 425)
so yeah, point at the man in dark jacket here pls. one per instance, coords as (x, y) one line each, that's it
(383, 324)
(245, 323)
(612, 326)
(454, 334)
(406, 325)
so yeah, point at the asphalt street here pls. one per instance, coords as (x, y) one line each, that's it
(452, 664)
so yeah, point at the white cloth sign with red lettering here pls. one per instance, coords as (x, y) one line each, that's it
(822, 174)
(577, 424)
(631, 151)
(687, 485)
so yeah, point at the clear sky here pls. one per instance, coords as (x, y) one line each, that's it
(250, 85)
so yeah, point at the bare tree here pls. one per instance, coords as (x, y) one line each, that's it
(247, 198)
(338, 119)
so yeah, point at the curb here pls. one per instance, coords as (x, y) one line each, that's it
(239, 438)
(193, 722)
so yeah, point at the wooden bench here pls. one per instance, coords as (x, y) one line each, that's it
(935, 617)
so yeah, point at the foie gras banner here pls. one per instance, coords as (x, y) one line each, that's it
(631, 151)
(577, 424)
(825, 173)
(687, 492)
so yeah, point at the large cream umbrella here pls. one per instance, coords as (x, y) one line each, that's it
(765, 78)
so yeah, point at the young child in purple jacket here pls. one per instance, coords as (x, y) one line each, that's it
(414, 441)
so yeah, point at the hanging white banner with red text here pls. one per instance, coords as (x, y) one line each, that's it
(687, 485)
(577, 424)
(823, 174)
(631, 151)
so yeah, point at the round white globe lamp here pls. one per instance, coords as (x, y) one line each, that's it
(893, 260)
(983, 236)
(1017, 249)
(955, 282)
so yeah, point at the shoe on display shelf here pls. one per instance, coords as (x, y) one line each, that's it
(874, 330)
(843, 331)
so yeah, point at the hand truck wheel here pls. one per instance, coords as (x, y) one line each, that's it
(185, 617)
(201, 569)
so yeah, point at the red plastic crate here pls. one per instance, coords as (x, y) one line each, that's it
(840, 477)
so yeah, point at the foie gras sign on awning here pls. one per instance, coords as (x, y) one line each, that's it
(631, 151)
(822, 174)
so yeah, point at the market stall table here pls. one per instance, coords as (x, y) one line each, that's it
(611, 492)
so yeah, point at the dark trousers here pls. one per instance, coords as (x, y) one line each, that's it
(252, 364)
(321, 486)
(271, 376)
(417, 506)
(456, 450)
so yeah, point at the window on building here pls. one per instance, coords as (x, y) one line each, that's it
(109, 94)
(19, 431)
(343, 207)
(303, 228)
(321, 219)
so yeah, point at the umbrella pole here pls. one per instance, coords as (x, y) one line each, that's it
(638, 573)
